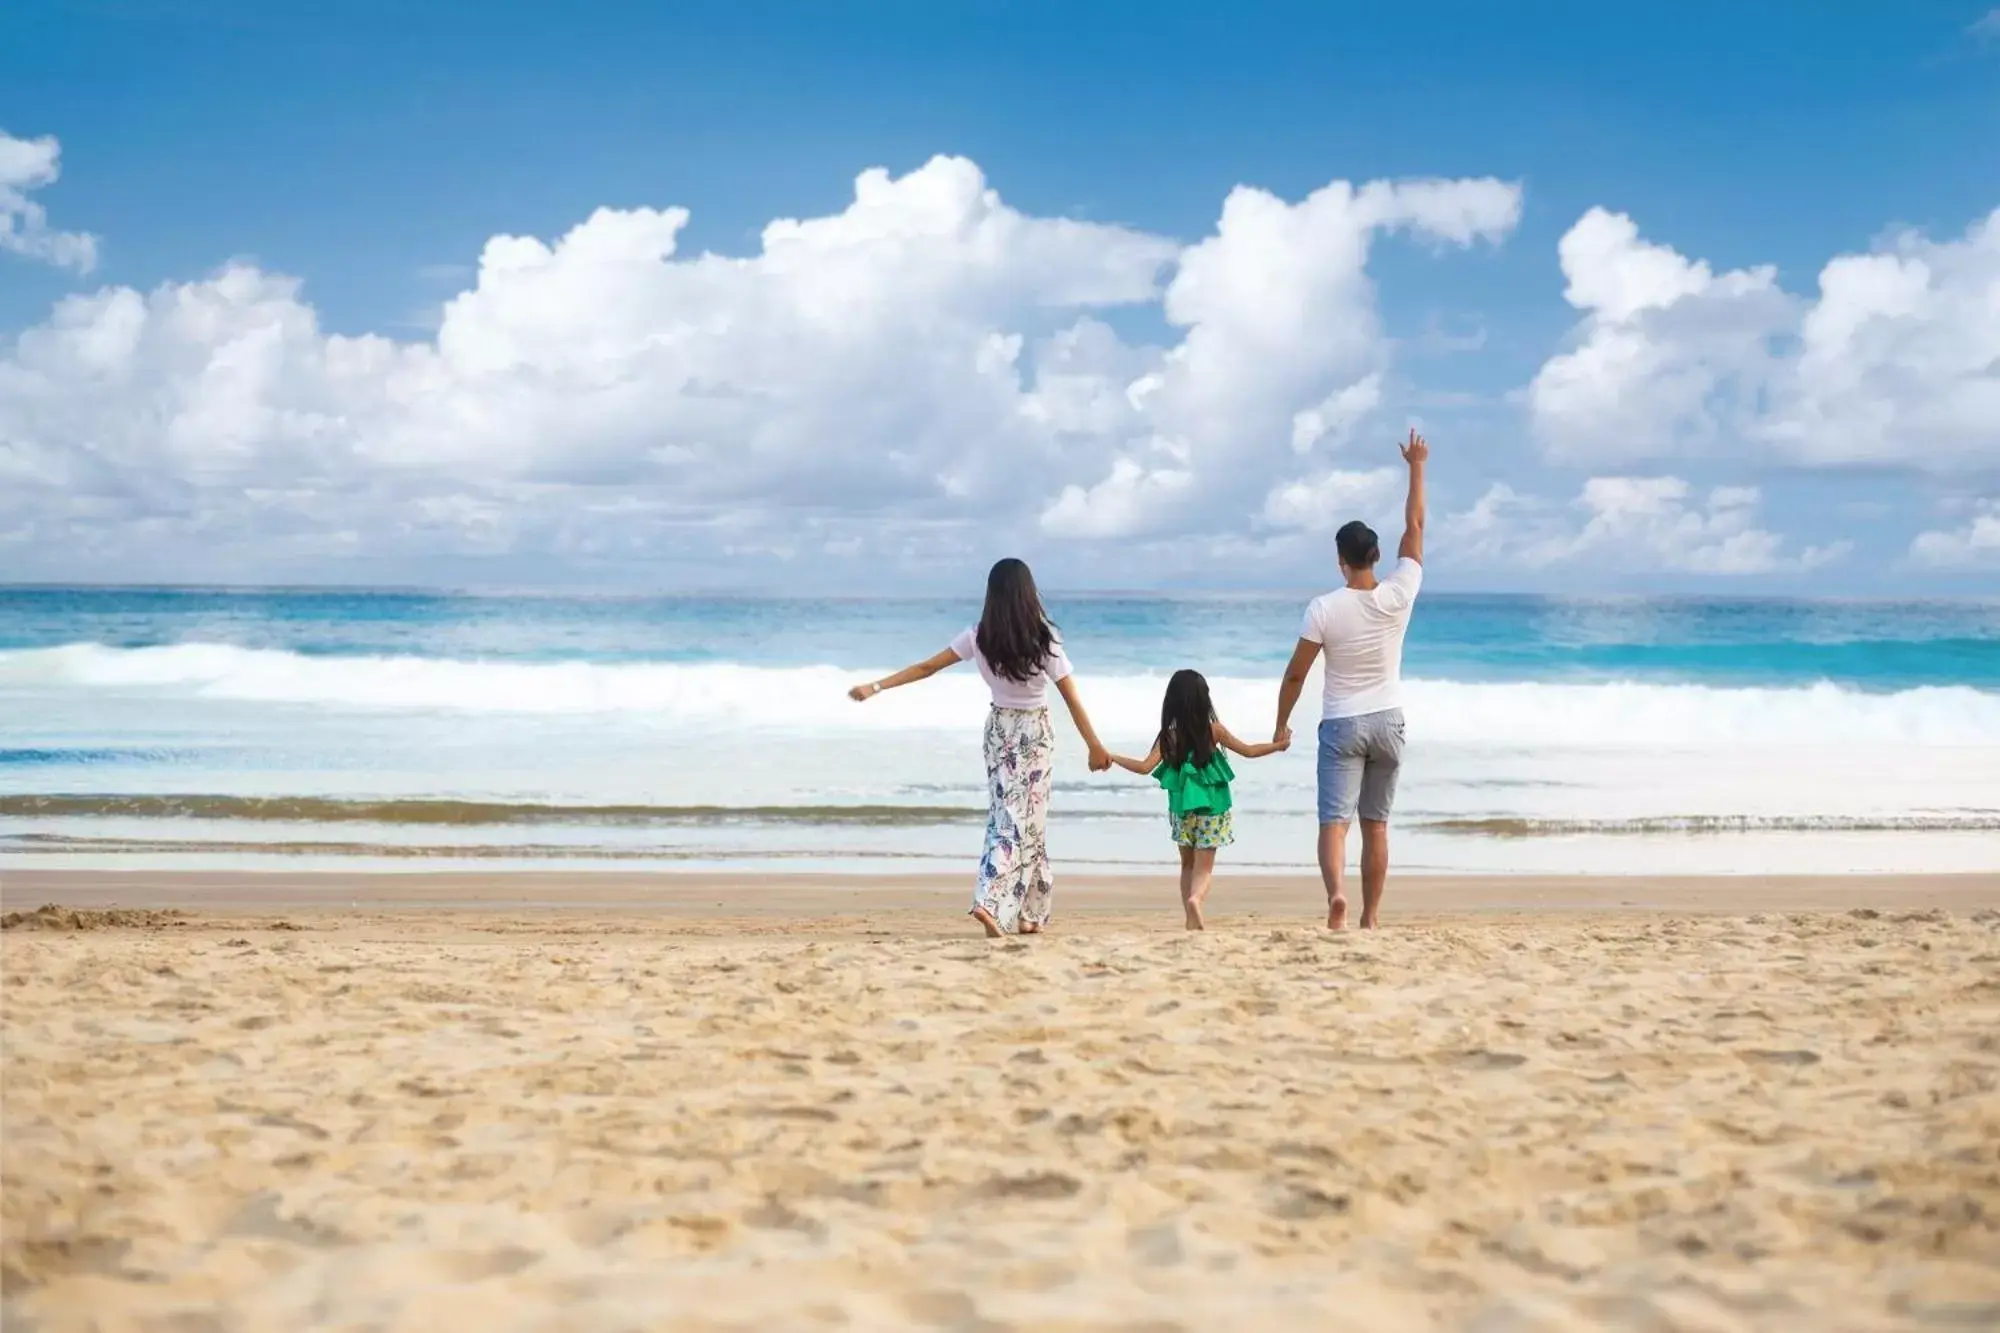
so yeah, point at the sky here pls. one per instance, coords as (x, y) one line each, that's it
(1690, 297)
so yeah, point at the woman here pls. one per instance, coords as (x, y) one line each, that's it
(1019, 654)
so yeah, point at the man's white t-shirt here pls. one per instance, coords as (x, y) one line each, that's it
(1029, 693)
(1360, 634)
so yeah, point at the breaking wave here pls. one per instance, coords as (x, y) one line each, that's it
(726, 697)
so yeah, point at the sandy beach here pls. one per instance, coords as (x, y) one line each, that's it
(683, 1102)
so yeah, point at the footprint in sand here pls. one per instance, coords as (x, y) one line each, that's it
(1780, 1057)
(1034, 1185)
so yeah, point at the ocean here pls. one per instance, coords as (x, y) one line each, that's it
(304, 729)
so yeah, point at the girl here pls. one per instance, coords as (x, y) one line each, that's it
(1018, 652)
(1187, 757)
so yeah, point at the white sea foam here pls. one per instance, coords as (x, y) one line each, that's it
(724, 697)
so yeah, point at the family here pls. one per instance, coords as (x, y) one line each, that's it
(1357, 628)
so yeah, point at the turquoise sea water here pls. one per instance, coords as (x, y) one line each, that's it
(1865, 645)
(196, 726)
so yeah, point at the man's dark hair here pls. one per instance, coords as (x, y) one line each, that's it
(1357, 545)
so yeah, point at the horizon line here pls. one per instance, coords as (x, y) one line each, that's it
(764, 594)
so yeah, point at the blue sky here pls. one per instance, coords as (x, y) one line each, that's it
(370, 150)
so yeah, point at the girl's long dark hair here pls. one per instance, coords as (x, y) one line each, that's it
(1015, 634)
(1187, 721)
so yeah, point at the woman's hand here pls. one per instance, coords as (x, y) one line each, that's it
(1100, 758)
(861, 694)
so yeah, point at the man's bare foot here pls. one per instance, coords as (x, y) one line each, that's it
(1336, 914)
(985, 918)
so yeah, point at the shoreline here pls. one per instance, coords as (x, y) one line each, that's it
(820, 901)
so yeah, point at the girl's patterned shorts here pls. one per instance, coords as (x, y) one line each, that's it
(1200, 830)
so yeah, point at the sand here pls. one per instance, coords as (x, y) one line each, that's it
(1782, 1111)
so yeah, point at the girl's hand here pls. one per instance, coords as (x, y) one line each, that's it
(1229, 741)
(861, 694)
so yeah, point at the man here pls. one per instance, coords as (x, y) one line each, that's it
(1360, 630)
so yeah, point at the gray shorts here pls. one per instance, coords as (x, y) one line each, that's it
(1359, 760)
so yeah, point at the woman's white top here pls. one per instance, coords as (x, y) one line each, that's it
(1029, 693)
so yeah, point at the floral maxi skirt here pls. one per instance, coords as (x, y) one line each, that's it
(1015, 885)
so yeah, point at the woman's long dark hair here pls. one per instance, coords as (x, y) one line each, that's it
(1015, 634)
(1187, 721)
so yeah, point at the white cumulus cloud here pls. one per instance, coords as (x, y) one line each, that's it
(27, 165)
(1116, 506)
(1336, 418)
(1628, 524)
(1661, 343)
(1973, 545)
(1895, 361)
(1283, 345)
(1324, 502)
(928, 360)
(1899, 359)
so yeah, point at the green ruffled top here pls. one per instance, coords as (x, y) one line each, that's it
(1197, 791)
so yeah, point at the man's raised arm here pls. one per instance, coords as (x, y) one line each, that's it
(1415, 453)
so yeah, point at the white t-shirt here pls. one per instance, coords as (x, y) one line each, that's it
(1029, 693)
(1361, 637)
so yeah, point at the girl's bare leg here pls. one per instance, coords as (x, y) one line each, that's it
(1187, 889)
(1194, 891)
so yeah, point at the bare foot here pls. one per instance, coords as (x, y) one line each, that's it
(1194, 917)
(985, 918)
(1368, 922)
(1030, 928)
(1336, 915)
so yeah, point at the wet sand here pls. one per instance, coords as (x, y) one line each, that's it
(933, 903)
(678, 1102)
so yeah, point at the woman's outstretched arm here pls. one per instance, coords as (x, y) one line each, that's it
(1100, 758)
(1228, 740)
(909, 675)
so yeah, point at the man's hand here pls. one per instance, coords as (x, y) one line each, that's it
(1414, 453)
